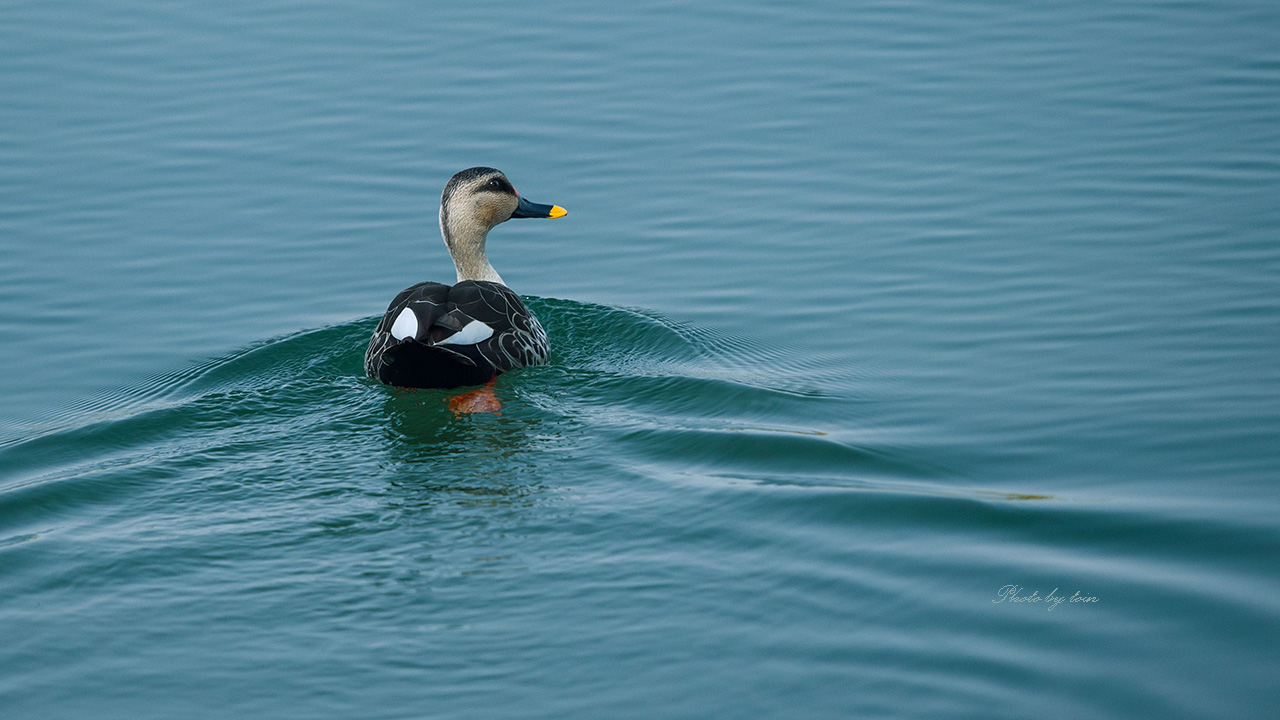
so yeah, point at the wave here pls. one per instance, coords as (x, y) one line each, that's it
(626, 389)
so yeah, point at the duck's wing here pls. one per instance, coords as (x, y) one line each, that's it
(434, 335)
(396, 357)
(496, 325)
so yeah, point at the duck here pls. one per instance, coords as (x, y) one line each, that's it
(435, 335)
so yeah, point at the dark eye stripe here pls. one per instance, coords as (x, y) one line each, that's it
(498, 185)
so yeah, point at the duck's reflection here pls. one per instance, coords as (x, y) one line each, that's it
(436, 455)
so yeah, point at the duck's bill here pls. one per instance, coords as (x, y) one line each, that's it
(528, 209)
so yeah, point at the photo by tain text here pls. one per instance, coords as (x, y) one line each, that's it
(1018, 594)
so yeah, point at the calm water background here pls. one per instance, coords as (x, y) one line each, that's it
(861, 312)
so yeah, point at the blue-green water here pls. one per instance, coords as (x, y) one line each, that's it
(862, 312)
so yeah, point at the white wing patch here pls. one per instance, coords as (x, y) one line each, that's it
(405, 326)
(470, 334)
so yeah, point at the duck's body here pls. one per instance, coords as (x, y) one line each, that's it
(436, 335)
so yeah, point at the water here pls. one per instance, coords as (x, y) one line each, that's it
(861, 313)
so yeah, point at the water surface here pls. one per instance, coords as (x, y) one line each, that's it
(861, 313)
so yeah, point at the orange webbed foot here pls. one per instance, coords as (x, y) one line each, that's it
(477, 401)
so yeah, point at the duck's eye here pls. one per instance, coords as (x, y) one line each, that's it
(497, 184)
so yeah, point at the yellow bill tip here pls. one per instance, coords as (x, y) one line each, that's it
(557, 211)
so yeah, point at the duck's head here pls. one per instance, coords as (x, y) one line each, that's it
(474, 201)
(485, 197)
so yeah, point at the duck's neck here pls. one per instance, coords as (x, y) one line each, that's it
(465, 241)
